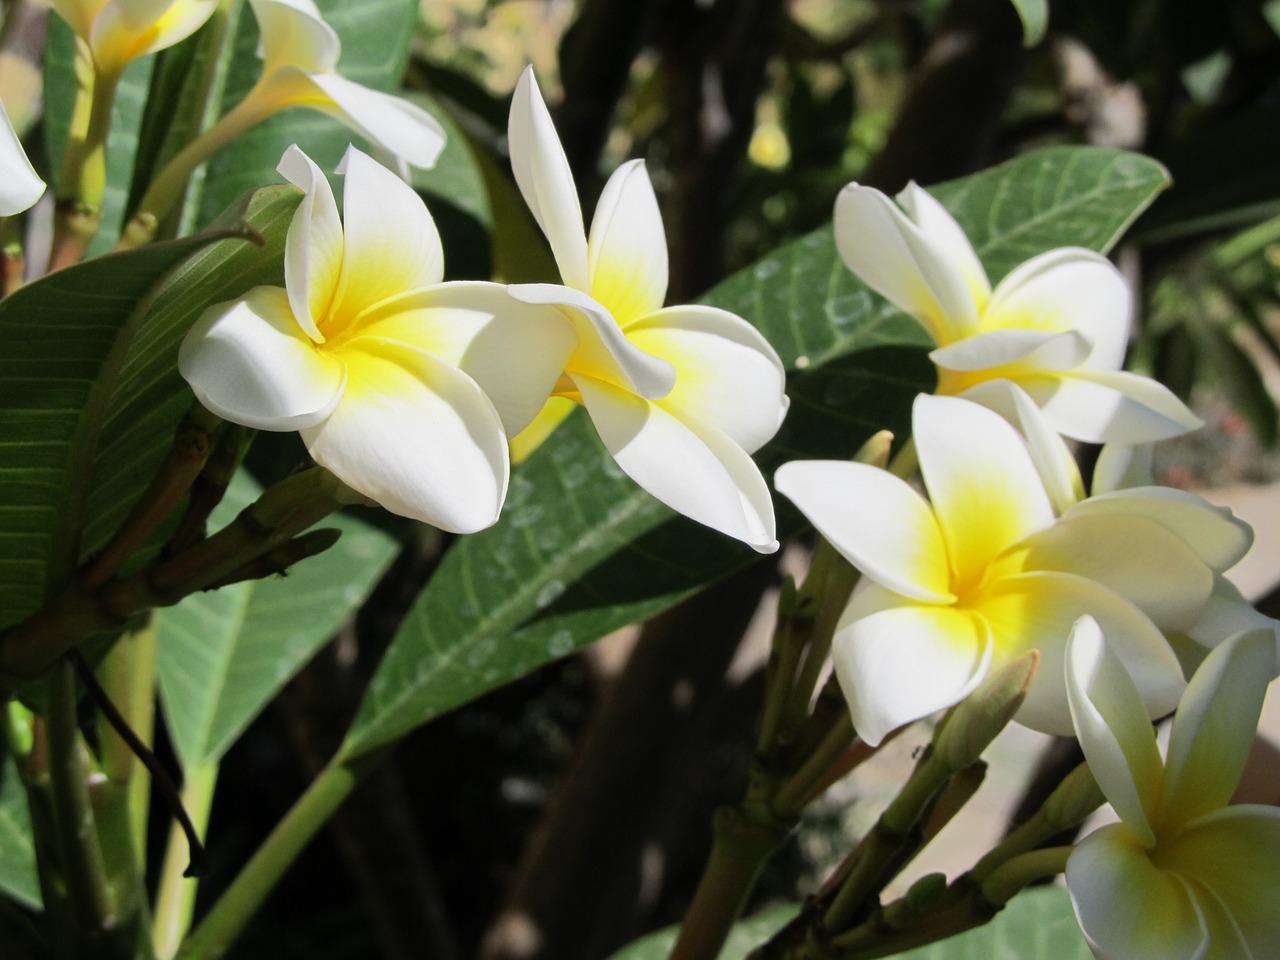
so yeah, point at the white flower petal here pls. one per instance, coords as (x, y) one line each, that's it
(390, 122)
(1228, 613)
(876, 521)
(416, 435)
(1214, 727)
(1053, 460)
(295, 34)
(1019, 350)
(903, 663)
(1218, 537)
(894, 257)
(515, 351)
(1121, 466)
(1131, 555)
(1067, 289)
(986, 492)
(727, 374)
(124, 30)
(1037, 611)
(313, 245)
(390, 243)
(604, 352)
(20, 187)
(627, 250)
(79, 14)
(1110, 407)
(1129, 908)
(689, 466)
(946, 237)
(542, 173)
(1113, 728)
(249, 362)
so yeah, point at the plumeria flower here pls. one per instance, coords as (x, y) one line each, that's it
(20, 185)
(118, 31)
(682, 395)
(950, 589)
(1183, 874)
(1127, 507)
(1057, 325)
(404, 387)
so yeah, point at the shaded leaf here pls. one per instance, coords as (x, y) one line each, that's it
(18, 877)
(745, 936)
(224, 654)
(1034, 15)
(580, 550)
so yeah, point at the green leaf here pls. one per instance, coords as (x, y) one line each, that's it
(126, 120)
(55, 336)
(18, 877)
(375, 42)
(580, 550)
(224, 654)
(1034, 15)
(745, 936)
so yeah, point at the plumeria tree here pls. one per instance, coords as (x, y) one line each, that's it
(468, 433)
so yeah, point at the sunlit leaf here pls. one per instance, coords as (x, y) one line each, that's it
(580, 550)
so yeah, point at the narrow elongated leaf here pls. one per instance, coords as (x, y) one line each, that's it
(580, 550)
(223, 655)
(18, 876)
(1034, 15)
(375, 43)
(55, 335)
(1037, 925)
(126, 121)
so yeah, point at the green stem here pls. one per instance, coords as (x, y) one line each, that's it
(798, 790)
(237, 905)
(1013, 876)
(176, 896)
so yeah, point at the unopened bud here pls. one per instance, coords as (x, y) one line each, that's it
(1075, 798)
(974, 722)
(876, 450)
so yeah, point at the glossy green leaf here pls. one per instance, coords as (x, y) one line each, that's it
(1038, 924)
(126, 120)
(580, 550)
(1034, 15)
(375, 42)
(18, 876)
(224, 654)
(55, 336)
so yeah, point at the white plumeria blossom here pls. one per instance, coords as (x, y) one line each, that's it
(682, 395)
(1057, 325)
(1184, 874)
(404, 387)
(118, 31)
(20, 185)
(300, 54)
(977, 575)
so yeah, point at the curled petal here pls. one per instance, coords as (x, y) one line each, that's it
(295, 34)
(946, 237)
(124, 30)
(515, 351)
(313, 247)
(1228, 613)
(416, 435)
(627, 250)
(985, 490)
(20, 187)
(902, 663)
(1121, 466)
(604, 352)
(1067, 289)
(727, 373)
(1113, 728)
(1036, 611)
(1011, 353)
(1233, 852)
(1128, 908)
(880, 525)
(250, 362)
(542, 173)
(1214, 727)
(895, 258)
(390, 243)
(689, 466)
(390, 122)
(1110, 406)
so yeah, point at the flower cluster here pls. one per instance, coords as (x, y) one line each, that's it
(408, 388)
